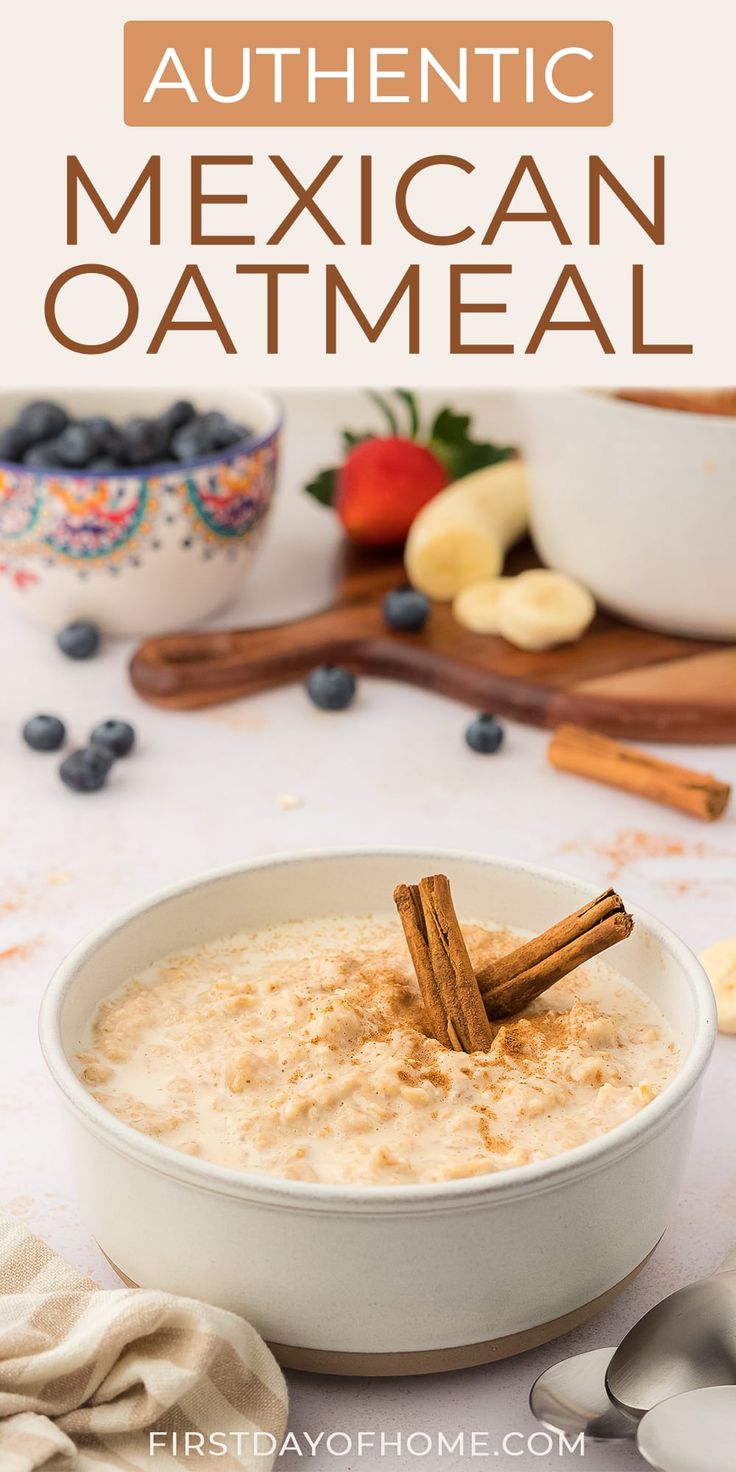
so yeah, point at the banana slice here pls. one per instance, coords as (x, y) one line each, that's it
(540, 608)
(457, 549)
(476, 607)
(462, 535)
(719, 963)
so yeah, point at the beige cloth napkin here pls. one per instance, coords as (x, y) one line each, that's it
(87, 1373)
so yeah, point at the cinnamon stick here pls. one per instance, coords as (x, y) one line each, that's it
(458, 1002)
(512, 982)
(444, 970)
(586, 754)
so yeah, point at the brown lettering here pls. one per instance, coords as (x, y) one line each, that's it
(191, 275)
(639, 346)
(150, 176)
(52, 297)
(402, 204)
(305, 199)
(335, 285)
(366, 199)
(199, 161)
(459, 308)
(272, 274)
(600, 173)
(549, 214)
(570, 275)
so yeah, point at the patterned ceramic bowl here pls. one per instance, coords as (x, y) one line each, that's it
(144, 550)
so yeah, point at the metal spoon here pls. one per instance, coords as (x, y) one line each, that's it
(687, 1342)
(695, 1430)
(571, 1397)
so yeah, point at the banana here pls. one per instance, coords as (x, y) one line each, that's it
(540, 608)
(719, 963)
(476, 607)
(462, 535)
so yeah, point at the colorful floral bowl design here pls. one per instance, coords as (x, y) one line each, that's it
(137, 551)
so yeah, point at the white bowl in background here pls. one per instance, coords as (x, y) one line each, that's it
(637, 502)
(365, 1279)
(137, 551)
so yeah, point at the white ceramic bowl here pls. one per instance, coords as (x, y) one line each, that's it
(638, 503)
(399, 1279)
(137, 551)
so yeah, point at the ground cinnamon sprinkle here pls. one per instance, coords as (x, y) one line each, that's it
(553, 1029)
(434, 1076)
(495, 1144)
(437, 1077)
(510, 1043)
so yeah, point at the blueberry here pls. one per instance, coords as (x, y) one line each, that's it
(103, 464)
(76, 446)
(44, 733)
(79, 640)
(112, 446)
(86, 770)
(43, 456)
(229, 433)
(42, 420)
(193, 440)
(115, 737)
(13, 443)
(144, 441)
(107, 437)
(406, 609)
(222, 430)
(484, 734)
(176, 415)
(330, 687)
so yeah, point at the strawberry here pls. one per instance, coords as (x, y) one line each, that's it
(381, 487)
(385, 480)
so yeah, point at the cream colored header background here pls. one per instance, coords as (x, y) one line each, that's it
(61, 92)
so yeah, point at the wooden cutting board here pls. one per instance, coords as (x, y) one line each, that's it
(619, 679)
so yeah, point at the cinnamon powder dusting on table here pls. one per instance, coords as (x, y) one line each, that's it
(20, 951)
(631, 844)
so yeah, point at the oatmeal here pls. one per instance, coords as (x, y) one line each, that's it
(302, 1051)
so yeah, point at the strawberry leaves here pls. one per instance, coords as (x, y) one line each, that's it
(407, 398)
(449, 440)
(323, 487)
(386, 410)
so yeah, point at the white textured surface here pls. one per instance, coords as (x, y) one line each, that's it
(204, 790)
